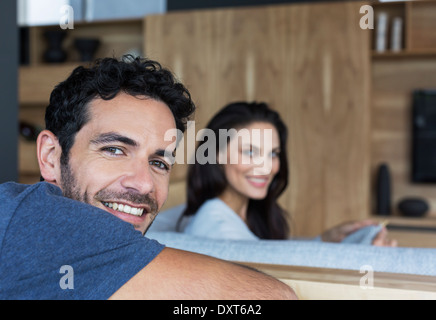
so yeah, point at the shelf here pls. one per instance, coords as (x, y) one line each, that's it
(418, 28)
(411, 232)
(116, 37)
(424, 222)
(404, 54)
(37, 82)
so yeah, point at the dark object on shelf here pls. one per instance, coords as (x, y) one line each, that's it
(87, 48)
(413, 207)
(383, 206)
(55, 53)
(424, 136)
(29, 131)
(24, 46)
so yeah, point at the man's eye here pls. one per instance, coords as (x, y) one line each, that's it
(160, 165)
(113, 150)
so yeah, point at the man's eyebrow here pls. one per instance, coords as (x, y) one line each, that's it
(165, 153)
(112, 137)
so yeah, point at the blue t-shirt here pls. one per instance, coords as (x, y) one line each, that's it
(52, 247)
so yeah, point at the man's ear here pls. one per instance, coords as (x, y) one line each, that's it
(49, 152)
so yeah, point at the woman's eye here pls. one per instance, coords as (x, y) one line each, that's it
(248, 153)
(275, 154)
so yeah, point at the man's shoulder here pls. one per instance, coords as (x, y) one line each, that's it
(12, 194)
(43, 231)
(14, 191)
(11, 190)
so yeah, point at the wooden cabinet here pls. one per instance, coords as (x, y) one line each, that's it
(418, 28)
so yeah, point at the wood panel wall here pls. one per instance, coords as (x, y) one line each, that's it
(328, 114)
(311, 63)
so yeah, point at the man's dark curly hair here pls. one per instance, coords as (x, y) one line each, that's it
(68, 110)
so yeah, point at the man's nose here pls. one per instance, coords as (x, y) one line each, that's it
(139, 178)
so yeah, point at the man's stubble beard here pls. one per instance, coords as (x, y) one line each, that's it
(69, 184)
(70, 189)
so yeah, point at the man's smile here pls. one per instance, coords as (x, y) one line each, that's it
(140, 216)
(136, 211)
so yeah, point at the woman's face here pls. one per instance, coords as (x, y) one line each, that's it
(252, 160)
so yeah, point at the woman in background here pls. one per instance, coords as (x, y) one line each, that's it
(231, 199)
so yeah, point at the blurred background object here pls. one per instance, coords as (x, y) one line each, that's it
(413, 207)
(55, 53)
(29, 131)
(87, 48)
(424, 136)
(383, 191)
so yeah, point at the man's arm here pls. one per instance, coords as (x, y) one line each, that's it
(180, 275)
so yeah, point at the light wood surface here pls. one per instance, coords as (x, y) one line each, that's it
(328, 117)
(422, 24)
(37, 82)
(117, 37)
(335, 284)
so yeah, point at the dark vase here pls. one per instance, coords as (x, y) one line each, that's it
(54, 52)
(29, 131)
(87, 48)
(383, 206)
(413, 207)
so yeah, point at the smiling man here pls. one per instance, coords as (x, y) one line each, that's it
(106, 169)
(118, 161)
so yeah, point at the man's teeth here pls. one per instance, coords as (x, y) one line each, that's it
(125, 208)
